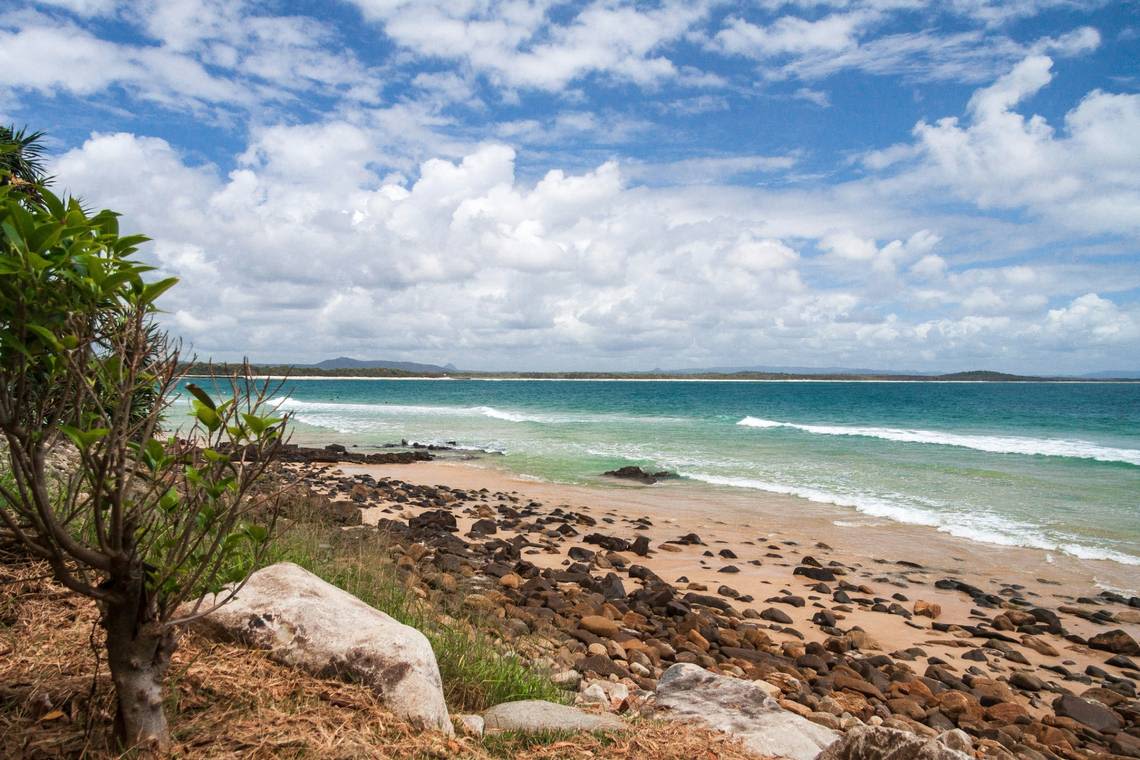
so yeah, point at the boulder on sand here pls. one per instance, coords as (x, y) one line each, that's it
(741, 709)
(308, 623)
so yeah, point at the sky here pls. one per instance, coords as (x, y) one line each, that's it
(930, 185)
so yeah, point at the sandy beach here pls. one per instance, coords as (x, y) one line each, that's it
(845, 619)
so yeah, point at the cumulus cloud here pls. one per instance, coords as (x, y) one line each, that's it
(295, 252)
(1086, 177)
(458, 221)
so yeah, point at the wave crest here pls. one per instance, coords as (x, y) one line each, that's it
(994, 444)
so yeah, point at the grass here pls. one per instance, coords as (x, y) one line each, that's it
(226, 701)
(477, 669)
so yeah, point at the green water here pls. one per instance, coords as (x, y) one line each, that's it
(1047, 465)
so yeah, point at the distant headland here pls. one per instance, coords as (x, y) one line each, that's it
(345, 367)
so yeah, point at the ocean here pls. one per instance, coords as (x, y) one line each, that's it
(1054, 466)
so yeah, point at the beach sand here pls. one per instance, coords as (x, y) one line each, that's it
(753, 526)
(744, 580)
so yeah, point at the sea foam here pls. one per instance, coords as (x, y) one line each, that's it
(984, 528)
(994, 444)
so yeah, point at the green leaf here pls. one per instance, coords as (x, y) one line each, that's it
(47, 336)
(84, 439)
(207, 416)
(153, 290)
(214, 456)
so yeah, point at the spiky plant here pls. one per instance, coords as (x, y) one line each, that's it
(22, 160)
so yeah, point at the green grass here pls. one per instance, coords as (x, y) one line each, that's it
(476, 671)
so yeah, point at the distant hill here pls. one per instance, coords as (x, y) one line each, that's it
(345, 362)
(984, 374)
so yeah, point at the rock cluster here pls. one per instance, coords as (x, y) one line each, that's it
(608, 626)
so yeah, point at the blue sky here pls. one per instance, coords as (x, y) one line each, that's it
(608, 185)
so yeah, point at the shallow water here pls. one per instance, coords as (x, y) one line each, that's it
(1046, 465)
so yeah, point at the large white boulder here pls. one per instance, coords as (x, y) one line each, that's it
(308, 623)
(741, 709)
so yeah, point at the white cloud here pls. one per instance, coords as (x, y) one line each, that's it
(294, 256)
(1087, 178)
(818, 97)
(516, 44)
(197, 56)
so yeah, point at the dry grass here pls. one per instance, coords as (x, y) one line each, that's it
(226, 702)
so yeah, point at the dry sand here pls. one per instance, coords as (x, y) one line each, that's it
(770, 534)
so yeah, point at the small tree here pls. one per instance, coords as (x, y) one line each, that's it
(143, 521)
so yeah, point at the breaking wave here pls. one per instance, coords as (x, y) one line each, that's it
(985, 528)
(995, 444)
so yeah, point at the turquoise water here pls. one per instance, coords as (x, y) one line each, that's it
(1052, 466)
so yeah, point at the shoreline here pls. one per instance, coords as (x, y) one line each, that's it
(606, 588)
(849, 531)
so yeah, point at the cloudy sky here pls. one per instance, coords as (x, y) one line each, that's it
(920, 184)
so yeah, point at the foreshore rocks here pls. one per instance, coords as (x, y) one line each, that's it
(638, 474)
(576, 593)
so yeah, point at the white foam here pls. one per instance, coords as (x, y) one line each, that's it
(997, 444)
(413, 410)
(983, 528)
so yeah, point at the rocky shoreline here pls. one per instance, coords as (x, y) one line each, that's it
(605, 602)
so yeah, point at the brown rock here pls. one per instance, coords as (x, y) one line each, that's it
(599, 626)
(906, 707)
(695, 637)
(927, 609)
(1115, 641)
(1039, 645)
(844, 681)
(960, 706)
(1005, 712)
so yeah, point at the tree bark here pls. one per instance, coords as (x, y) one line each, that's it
(138, 654)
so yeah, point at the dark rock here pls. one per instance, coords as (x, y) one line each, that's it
(776, 616)
(609, 543)
(636, 473)
(434, 520)
(1115, 641)
(611, 587)
(815, 573)
(581, 554)
(1090, 714)
(601, 665)
(484, 528)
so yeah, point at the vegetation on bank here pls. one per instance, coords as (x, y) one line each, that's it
(226, 701)
(476, 666)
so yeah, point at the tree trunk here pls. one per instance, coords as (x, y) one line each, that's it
(138, 653)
